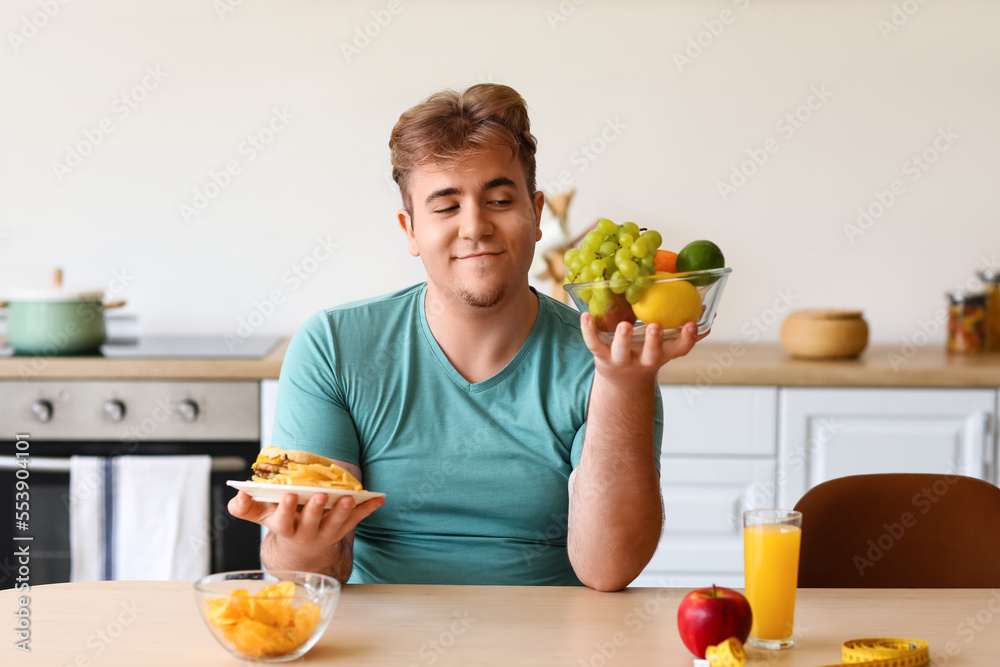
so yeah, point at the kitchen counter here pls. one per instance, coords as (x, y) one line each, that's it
(710, 363)
(880, 365)
(157, 623)
(140, 368)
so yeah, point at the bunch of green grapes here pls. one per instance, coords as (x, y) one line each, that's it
(622, 254)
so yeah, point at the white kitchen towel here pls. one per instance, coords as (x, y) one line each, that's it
(152, 518)
(160, 528)
(86, 518)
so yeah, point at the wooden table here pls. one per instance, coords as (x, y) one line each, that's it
(139, 624)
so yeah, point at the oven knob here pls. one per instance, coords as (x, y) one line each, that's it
(115, 409)
(188, 409)
(43, 409)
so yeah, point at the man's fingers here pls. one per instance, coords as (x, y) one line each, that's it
(242, 506)
(589, 330)
(682, 344)
(310, 517)
(239, 505)
(652, 347)
(354, 515)
(285, 518)
(365, 509)
(621, 346)
(341, 510)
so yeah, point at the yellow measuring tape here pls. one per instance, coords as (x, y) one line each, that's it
(727, 654)
(887, 652)
(875, 652)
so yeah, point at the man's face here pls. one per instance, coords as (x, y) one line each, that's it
(474, 226)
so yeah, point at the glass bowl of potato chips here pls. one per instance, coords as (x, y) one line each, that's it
(267, 615)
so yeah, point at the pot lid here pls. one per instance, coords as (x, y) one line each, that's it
(57, 294)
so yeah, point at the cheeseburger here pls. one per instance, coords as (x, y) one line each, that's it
(297, 468)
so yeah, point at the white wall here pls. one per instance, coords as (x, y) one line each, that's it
(327, 173)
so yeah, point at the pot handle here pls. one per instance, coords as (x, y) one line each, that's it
(114, 304)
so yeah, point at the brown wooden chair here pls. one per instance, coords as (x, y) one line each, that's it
(900, 531)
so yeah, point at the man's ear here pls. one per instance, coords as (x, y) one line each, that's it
(539, 205)
(406, 224)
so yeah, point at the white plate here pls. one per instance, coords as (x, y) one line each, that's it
(273, 493)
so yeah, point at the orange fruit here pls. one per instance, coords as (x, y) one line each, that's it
(670, 304)
(666, 261)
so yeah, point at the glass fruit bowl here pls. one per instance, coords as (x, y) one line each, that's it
(671, 299)
(267, 616)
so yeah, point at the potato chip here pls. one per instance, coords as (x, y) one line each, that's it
(304, 622)
(216, 612)
(239, 603)
(266, 623)
(279, 611)
(285, 589)
(256, 639)
(226, 611)
(261, 612)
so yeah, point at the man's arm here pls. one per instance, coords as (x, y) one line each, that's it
(337, 561)
(310, 540)
(615, 507)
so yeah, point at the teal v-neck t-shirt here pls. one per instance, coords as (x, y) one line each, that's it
(475, 474)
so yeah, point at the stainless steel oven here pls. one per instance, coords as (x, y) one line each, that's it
(120, 418)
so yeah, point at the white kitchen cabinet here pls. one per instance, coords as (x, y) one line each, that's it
(829, 433)
(718, 460)
(703, 421)
(703, 500)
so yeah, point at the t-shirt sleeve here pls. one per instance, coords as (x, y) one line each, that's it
(577, 450)
(312, 413)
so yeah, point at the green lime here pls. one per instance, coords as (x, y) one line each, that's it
(700, 256)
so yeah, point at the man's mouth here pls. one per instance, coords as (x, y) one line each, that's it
(479, 255)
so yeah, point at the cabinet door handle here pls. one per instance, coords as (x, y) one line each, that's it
(976, 457)
(740, 505)
(58, 464)
(989, 462)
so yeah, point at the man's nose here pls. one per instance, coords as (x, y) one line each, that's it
(475, 223)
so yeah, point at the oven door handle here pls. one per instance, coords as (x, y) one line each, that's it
(61, 464)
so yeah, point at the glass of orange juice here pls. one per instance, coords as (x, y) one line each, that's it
(771, 540)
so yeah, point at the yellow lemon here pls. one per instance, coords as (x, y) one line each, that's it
(669, 304)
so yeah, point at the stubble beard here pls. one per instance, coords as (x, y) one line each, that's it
(486, 298)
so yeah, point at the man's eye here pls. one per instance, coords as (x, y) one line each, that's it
(501, 202)
(446, 210)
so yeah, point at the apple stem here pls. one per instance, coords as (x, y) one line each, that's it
(715, 593)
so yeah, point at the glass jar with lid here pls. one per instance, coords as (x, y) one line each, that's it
(966, 322)
(991, 284)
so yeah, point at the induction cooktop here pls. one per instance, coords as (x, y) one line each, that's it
(179, 347)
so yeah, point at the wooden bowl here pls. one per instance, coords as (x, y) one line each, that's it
(824, 334)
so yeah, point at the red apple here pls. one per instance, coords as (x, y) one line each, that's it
(620, 311)
(709, 616)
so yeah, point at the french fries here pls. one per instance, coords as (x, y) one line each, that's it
(314, 474)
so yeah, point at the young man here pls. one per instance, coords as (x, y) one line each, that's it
(514, 446)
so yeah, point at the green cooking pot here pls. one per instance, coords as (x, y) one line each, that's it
(56, 321)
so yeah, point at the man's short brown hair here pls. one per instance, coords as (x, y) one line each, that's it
(449, 126)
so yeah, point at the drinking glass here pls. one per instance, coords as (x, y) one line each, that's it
(771, 540)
